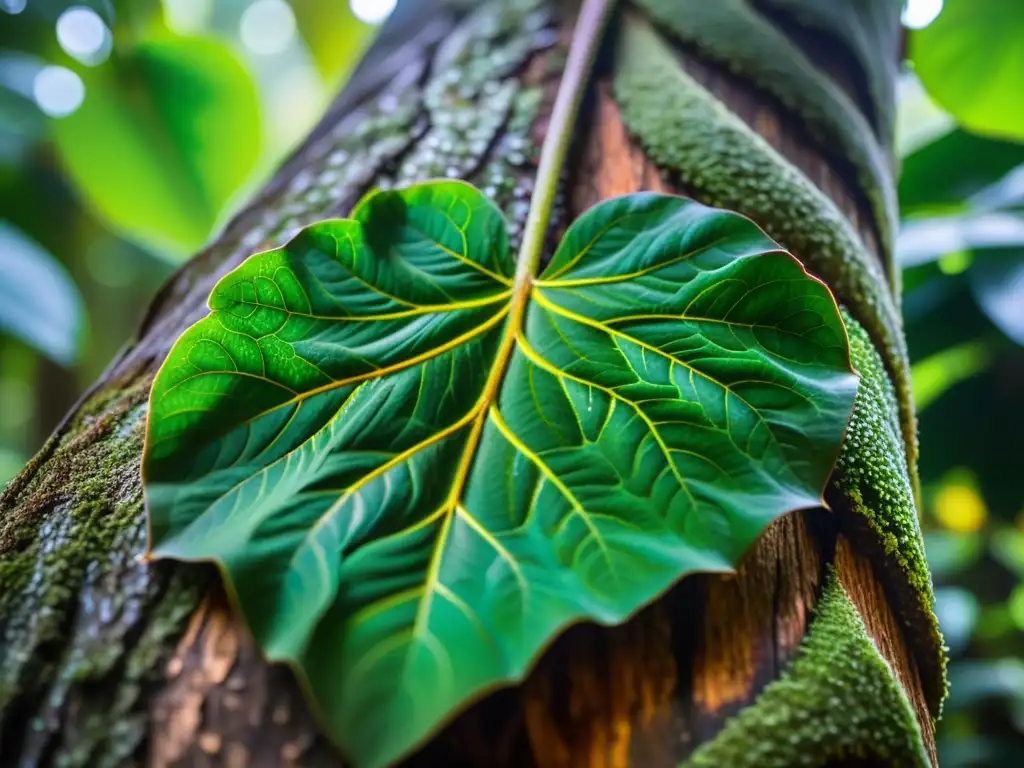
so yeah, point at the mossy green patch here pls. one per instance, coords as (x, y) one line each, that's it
(94, 464)
(731, 33)
(686, 130)
(872, 481)
(70, 514)
(82, 622)
(838, 700)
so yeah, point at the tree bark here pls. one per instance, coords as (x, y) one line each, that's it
(111, 660)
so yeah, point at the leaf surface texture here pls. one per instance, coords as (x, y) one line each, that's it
(415, 467)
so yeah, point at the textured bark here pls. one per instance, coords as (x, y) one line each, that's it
(110, 660)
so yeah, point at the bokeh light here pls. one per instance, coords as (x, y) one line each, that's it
(13, 7)
(372, 11)
(58, 91)
(921, 13)
(187, 16)
(959, 506)
(83, 35)
(267, 27)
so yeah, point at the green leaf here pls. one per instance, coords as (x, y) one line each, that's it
(935, 375)
(415, 468)
(167, 133)
(944, 173)
(1005, 193)
(334, 36)
(970, 60)
(39, 302)
(919, 120)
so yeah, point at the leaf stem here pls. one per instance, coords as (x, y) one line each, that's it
(586, 39)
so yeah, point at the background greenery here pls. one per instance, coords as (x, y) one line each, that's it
(130, 129)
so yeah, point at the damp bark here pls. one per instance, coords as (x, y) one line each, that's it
(106, 659)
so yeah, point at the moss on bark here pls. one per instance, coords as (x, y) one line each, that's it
(82, 621)
(871, 480)
(736, 36)
(838, 700)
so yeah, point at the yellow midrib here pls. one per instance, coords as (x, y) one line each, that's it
(521, 291)
(590, 24)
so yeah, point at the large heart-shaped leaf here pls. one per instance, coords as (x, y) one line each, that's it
(415, 466)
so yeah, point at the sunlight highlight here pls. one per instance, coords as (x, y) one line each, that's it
(58, 91)
(267, 27)
(920, 13)
(372, 11)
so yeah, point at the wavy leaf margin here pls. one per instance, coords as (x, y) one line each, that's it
(415, 467)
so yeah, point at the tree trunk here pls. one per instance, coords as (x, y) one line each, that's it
(111, 660)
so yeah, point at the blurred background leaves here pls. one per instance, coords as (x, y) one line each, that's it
(970, 59)
(961, 246)
(131, 129)
(39, 302)
(180, 112)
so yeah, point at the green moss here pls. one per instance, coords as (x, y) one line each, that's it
(723, 162)
(83, 622)
(871, 477)
(72, 514)
(837, 700)
(740, 39)
(94, 464)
